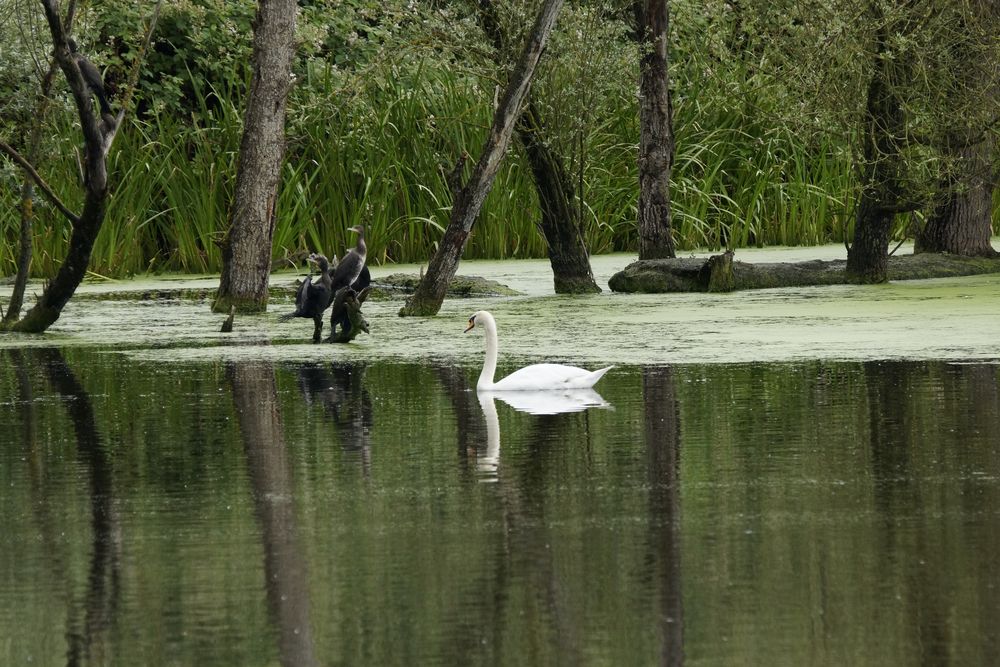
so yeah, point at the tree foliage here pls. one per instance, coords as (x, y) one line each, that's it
(767, 96)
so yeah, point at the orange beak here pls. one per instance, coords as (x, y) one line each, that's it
(472, 323)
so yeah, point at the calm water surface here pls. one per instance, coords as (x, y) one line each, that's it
(254, 513)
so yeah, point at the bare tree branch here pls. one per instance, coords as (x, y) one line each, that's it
(39, 181)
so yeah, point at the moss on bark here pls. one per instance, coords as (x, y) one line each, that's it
(701, 275)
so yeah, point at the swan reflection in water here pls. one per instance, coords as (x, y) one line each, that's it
(533, 403)
(549, 402)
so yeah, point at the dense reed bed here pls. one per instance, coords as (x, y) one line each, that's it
(377, 154)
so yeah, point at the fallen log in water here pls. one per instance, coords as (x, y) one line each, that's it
(720, 273)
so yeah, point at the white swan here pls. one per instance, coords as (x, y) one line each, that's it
(529, 378)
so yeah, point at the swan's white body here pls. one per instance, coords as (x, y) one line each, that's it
(530, 378)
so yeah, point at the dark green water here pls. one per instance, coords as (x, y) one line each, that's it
(244, 513)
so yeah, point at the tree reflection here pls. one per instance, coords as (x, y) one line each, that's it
(256, 400)
(341, 390)
(663, 447)
(473, 440)
(911, 436)
(90, 619)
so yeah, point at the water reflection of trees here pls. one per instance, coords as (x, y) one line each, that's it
(663, 450)
(90, 619)
(286, 580)
(524, 555)
(909, 453)
(473, 440)
(341, 391)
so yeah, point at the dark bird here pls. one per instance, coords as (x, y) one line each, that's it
(313, 298)
(349, 268)
(92, 77)
(339, 316)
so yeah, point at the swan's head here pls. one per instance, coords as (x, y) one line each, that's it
(479, 317)
(357, 229)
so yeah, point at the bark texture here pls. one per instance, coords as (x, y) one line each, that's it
(561, 224)
(427, 299)
(962, 222)
(656, 138)
(246, 251)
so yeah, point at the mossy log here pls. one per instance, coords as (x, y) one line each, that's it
(720, 273)
(460, 286)
(346, 314)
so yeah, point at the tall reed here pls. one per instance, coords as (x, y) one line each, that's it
(376, 152)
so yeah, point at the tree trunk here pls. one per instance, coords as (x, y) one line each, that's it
(246, 251)
(24, 252)
(25, 243)
(85, 228)
(656, 139)
(72, 271)
(881, 170)
(561, 222)
(961, 223)
(98, 135)
(427, 299)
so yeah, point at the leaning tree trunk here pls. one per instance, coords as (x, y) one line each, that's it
(656, 139)
(24, 252)
(961, 223)
(25, 240)
(246, 250)
(561, 222)
(429, 295)
(98, 135)
(881, 170)
(97, 141)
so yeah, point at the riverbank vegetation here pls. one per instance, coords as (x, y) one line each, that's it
(386, 97)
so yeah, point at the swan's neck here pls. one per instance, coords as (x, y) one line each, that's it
(490, 363)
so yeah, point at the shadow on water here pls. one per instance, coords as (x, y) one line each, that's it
(255, 397)
(89, 620)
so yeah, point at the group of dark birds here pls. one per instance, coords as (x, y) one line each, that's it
(348, 277)
(335, 281)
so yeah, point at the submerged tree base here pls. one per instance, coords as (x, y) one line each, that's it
(720, 273)
(243, 305)
(576, 285)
